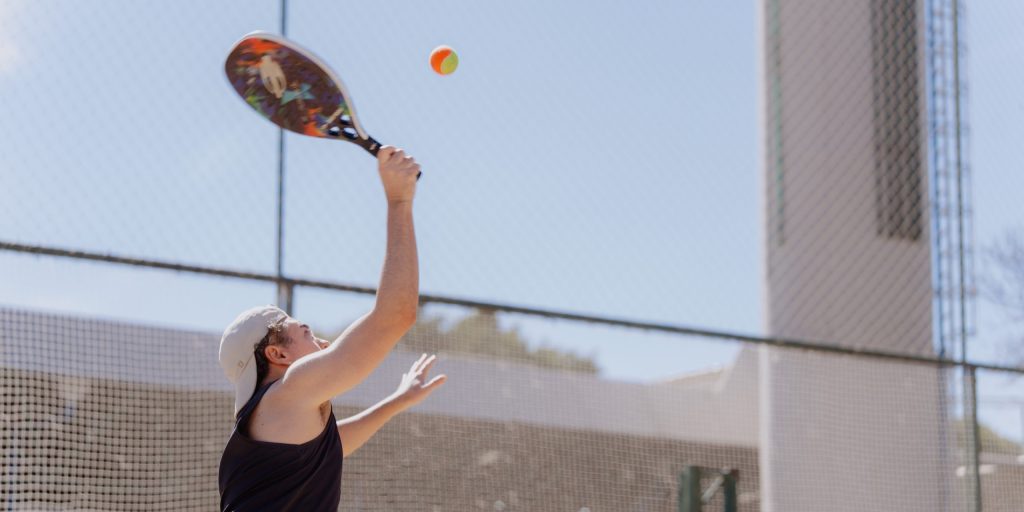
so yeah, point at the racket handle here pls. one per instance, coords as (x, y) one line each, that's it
(373, 147)
(370, 145)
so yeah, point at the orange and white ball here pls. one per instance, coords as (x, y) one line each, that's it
(444, 60)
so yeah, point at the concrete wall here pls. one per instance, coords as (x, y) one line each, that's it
(842, 130)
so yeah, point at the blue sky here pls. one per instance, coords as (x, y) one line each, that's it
(599, 159)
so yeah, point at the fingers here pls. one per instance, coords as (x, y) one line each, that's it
(422, 367)
(393, 156)
(415, 385)
(385, 152)
(437, 381)
(416, 365)
(424, 363)
(428, 364)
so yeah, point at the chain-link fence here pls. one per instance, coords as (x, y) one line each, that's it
(778, 238)
(113, 416)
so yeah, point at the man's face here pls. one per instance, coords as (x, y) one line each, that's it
(301, 339)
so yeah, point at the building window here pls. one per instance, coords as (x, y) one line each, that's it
(897, 121)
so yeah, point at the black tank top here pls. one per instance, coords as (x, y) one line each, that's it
(261, 475)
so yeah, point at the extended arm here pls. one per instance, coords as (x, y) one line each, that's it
(356, 430)
(365, 344)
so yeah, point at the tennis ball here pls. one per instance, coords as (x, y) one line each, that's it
(444, 60)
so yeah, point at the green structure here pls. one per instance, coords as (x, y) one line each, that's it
(692, 499)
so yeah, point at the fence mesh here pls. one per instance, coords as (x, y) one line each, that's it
(825, 173)
(113, 416)
(139, 158)
(1001, 439)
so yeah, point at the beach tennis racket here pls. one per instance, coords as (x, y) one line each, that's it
(294, 89)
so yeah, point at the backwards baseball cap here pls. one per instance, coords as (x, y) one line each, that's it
(238, 346)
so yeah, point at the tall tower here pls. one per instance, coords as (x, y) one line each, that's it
(848, 260)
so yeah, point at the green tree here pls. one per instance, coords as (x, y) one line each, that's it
(991, 442)
(479, 334)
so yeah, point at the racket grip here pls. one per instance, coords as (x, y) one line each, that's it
(373, 147)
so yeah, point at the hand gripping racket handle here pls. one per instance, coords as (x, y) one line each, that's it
(373, 147)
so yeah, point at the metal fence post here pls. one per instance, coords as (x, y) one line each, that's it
(285, 296)
(284, 290)
(689, 489)
(972, 443)
(729, 490)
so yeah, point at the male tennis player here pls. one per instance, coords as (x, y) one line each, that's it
(285, 453)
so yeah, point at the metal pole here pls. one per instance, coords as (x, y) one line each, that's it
(729, 490)
(970, 378)
(959, 181)
(820, 346)
(973, 441)
(689, 489)
(284, 291)
(937, 107)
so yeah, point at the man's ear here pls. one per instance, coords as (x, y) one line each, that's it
(275, 355)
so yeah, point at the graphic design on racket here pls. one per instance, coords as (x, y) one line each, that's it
(293, 88)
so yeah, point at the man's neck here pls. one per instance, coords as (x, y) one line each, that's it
(272, 376)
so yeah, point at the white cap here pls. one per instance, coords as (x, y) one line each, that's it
(238, 346)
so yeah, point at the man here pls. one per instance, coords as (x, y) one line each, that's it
(286, 450)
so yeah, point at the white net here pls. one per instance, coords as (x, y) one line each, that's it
(98, 415)
(796, 169)
(1001, 439)
(101, 415)
(109, 416)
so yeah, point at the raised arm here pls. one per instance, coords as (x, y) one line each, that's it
(364, 345)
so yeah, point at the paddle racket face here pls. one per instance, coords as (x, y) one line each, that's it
(294, 89)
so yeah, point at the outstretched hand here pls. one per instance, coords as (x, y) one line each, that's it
(414, 388)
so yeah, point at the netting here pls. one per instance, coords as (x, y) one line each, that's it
(823, 172)
(102, 415)
(109, 416)
(144, 161)
(1001, 440)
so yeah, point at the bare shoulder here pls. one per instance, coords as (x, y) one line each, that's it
(279, 420)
